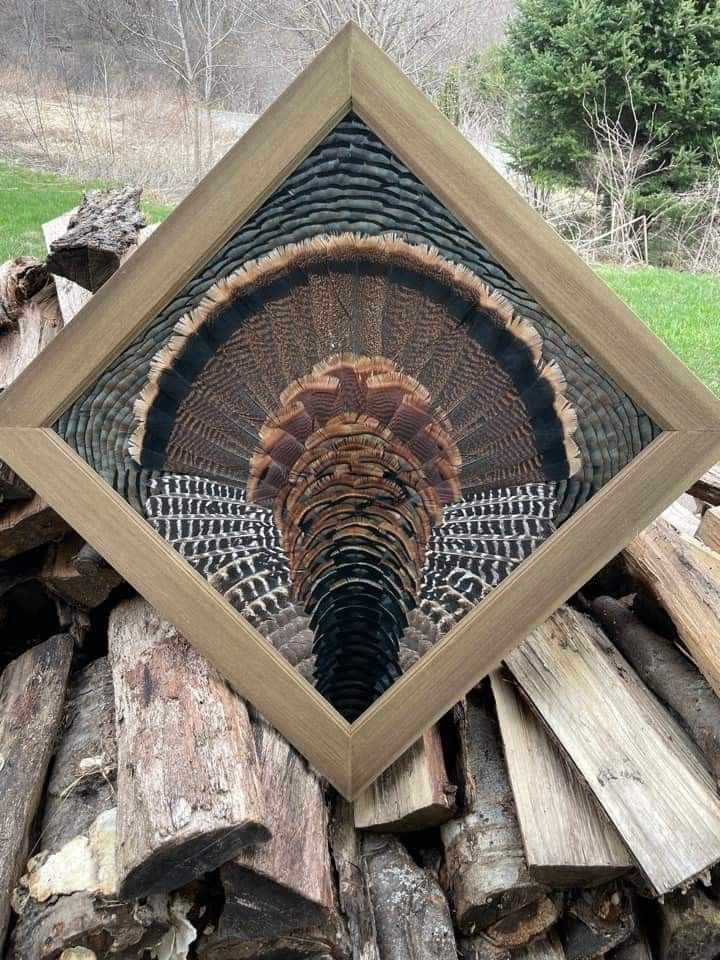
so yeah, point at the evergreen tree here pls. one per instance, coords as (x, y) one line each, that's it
(655, 64)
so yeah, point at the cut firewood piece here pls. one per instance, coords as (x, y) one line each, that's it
(668, 673)
(61, 576)
(709, 529)
(412, 794)
(37, 321)
(635, 946)
(283, 886)
(639, 763)
(568, 840)
(689, 926)
(188, 782)
(412, 917)
(487, 872)
(683, 515)
(68, 897)
(21, 279)
(670, 568)
(546, 947)
(28, 524)
(595, 921)
(99, 234)
(353, 894)
(519, 928)
(32, 698)
(707, 488)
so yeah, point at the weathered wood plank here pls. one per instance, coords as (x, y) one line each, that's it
(486, 867)
(669, 567)
(640, 764)
(412, 794)
(568, 840)
(32, 696)
(189, 794)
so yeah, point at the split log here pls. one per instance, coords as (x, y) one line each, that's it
(668, 566)
(541, 948)
(486, 868)
(683, 515)
(709, 529)
(412, 917)
(61, 576)
(20, 281)
(32, 696)
(567, 838)
(595, 921)
(283, 889)
(636, 946)
(353, 893)
(100, 232)
(689, 927)
(519, 928)
(36, 324)
(188, 786)
(414, 793)
(639, 763)
(707, 488)
(28, 524)
(68, 898)
(668, 673)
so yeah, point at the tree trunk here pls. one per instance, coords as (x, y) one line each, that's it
(412, 794)
(100, 232)
(188, 787)
(668, 673)
(68, 898)
(486, 867)
(412, 918)
(669, 567)
(32, 696)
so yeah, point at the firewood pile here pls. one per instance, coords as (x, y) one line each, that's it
(568, 808)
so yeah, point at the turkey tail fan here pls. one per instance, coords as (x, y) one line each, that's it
(390, 434)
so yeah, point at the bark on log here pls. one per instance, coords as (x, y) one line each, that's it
(353, 893)
(595, 921)
(541, 948)
(100, 232)
(636, 758)
(567, 838)
(20, 281)
(668, 673)
(32, 696)
(486, 867)
(690, 927)
(60, 575)
(68, 898)
(412, 917)
(284, 885)
(414, 793)
(188, 786)
(28, 524)
(668, 566)
(709, 529)
(707, 488)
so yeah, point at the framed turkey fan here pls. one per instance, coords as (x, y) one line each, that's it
(355, 418)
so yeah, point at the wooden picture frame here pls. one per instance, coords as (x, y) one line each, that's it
(351, 73)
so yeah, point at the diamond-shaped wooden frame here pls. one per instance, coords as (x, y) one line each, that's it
(352, 73)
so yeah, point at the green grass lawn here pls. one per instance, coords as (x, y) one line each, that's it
(683, 309)
(29, 198)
